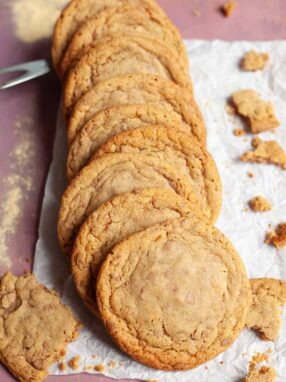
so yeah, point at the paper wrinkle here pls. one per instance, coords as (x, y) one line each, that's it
(216, 75)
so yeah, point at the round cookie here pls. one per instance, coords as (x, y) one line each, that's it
(119, 56)
(174, 295)
(108, 176)
(137, 89)
(112, 222)
(77, 12)
(127, 20)
(112, 121)
(181, 151)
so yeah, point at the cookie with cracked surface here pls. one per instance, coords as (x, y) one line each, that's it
(112, 222)
(175, 295)
(112, 121)
(35, 327)
(137, 89)
(111, 175)
(79, 11)
(119, 56)
(183, 152)
(264, 315)
(127, 20)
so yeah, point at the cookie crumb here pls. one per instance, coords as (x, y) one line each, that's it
(277, 238)
(253, 61)
(112, 364)
(62, 366)
(265, 152)
(259, 204)
(93, 356)
(238, 132)
(264, 374)
(228, 7)
(250, 174)
(196, 13)
(258, 113)
(100, 368)
(73, 363)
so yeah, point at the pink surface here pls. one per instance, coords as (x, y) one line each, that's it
(35, 105)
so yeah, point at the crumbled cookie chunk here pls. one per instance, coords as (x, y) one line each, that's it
(278, 237)
(264, 374)
(238, 132)
(253, 61)
(35, 327)
(268, 295)
(258, 113)
(74, 362)
(100, 368)
(265, 152)
(259, 204)
(229, 7)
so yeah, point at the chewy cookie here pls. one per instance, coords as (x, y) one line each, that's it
(127, 20)
(112, 121)
(137, 89)
(112, 222)
(111, 175)
(79, 11)
(35, 327)
(183, 152)
(174, 295)
(119, 56)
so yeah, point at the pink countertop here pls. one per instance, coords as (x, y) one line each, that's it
(28, 114)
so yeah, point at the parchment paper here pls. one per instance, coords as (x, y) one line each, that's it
(216, 74)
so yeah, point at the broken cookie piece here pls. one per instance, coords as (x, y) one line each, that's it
(277, 237)
(253, 61)
(268, 295)
(264, 374)
(228, 7)
(35, 327)
(265, 152)
(259, 204)
(258, 113)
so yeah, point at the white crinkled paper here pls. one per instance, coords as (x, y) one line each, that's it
(216, 74)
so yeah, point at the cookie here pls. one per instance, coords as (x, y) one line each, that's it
(112, 222)
(127, 20)
(259, 204)
(119, 56)
(181, 151)
(112, 121)
(264, 315)
(258, 113)
(253, 61)
(175, 295)
(111, 175)
(79, 11)
(137, 89)
(35, 327)
(265, 152)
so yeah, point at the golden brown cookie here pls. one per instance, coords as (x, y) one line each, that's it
(137, 89)
(79, 11)
(175, 295)
(127, 20)
(35, 327)
(111, 175)
(264, 315)
(119, 56)
(265, 152)
(113, 221)
(180, 150)
(112, 121)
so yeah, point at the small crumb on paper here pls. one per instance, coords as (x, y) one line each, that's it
(228, 7)
(62, 366)
(259, 204)
(277, 238)
(253, 61)
(74, 362)
(112, 364)
(238, 132)
(250, 175)
(100, 368)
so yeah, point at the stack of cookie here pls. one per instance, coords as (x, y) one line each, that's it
(136, 219)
